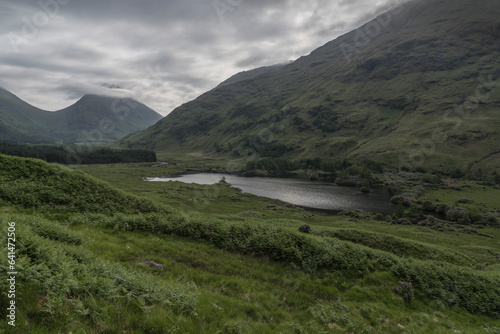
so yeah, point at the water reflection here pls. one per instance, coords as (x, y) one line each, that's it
(311, 194)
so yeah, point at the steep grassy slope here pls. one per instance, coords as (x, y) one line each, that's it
(35, 184)
(20, 121)
(91, 119)
(390, 97)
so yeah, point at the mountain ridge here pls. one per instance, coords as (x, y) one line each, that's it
(92, 119)
(361, 100)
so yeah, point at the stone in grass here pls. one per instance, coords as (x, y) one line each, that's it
(465, 200)
(154, 264)
(305, 228)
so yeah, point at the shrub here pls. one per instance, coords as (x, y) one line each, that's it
(405, 290)
(400, 211)
(55, 232)
(305, 228)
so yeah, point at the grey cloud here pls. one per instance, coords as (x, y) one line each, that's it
(165, 52)
(251, 61)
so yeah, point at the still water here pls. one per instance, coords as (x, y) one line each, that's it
(310, 194)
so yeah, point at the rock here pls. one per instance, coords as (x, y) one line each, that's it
(465, 200)
(154, 264)
(305, 228)
(405, 199)
(314, 177)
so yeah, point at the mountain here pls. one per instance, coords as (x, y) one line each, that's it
(416, 87)
(19, 121)
(246, 75)
(92, 119)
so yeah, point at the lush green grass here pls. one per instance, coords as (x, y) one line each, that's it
(220, 200)
(233, 292)
(476, 196)
(235, 264)
(35, 184)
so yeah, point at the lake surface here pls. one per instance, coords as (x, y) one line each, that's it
(310, 194)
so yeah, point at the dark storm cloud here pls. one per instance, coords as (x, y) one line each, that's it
(162, 52)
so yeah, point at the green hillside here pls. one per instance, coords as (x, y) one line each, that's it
(422, 91)
(93, 118)
(21, 122)
(247, 75)
(83, 246)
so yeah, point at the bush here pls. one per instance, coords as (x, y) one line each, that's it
(305, 228)
(405, 290)
(492, 220)
(400, 211)
(55, 232)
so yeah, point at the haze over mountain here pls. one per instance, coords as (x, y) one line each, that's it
(417, 86)
(93, 119)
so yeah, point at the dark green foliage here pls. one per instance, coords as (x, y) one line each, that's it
(373, 165)
(305, 228)
(325, 119)
(36, 184)
(310, 253)
(275, 165)
(77, 155)
(457, 173)
(55, 232)
(250, 111)
(432, 179)
(415, 211)
(397, 246)
(496, 178)
(400, 211)
(199, 125)
(362, 169)
(451, 284)
(70, 281)
(255, 144)
(405, 290)
(43, 152)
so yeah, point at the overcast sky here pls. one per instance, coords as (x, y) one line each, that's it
(160, 52)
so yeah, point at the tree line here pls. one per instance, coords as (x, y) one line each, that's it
(330, 165)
